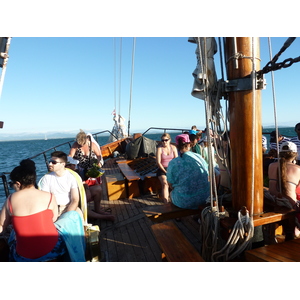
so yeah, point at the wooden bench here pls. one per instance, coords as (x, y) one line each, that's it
(160, 213)
(286, 252)
(115, 184)
(283, 216)
(173, 244)
(131, 179)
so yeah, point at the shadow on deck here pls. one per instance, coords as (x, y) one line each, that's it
(130, 238)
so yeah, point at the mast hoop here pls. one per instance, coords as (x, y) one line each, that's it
(240, 55)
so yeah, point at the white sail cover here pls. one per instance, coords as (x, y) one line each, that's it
(199, 73)
(119, 129)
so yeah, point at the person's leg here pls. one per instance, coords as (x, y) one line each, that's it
(96, 195)
(165, 188)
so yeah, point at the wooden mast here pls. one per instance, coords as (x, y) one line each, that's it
(241, 127)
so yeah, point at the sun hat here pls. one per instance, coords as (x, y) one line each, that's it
(72, 161)
(290, 147)
(183, 137)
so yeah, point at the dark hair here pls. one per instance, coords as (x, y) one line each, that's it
(273, 136)
(297, 125)
(60, 154)
(25, 173)
(193, 137)
(181, 144)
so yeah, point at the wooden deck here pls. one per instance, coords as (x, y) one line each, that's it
(130, 238)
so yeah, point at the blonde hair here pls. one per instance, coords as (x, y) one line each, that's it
(284, 157)
(166, 135)
(81, 137)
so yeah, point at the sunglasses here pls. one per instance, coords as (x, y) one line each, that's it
(53, 162)
(165, 140)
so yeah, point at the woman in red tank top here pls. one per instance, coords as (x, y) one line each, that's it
(164, 154)
(32, 213)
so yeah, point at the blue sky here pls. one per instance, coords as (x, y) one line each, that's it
(68, 83)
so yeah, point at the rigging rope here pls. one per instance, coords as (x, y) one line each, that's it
(275, 110)
(254, 125)
(115, 74)
(120, 75)
(131, 83)
(239, 239)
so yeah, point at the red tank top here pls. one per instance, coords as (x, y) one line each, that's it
(36, 235)
(165, 159)
(298, 192)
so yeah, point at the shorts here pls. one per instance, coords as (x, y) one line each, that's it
(160, 172)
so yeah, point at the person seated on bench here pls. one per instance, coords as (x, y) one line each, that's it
(289, 179)
(93, 193)
(188, 176)
(164, 154)
(33, 212)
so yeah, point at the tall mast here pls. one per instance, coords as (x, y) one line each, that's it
(245, 125)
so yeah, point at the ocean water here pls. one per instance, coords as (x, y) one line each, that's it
(12, 152)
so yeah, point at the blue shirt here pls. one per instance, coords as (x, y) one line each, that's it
(188, 175)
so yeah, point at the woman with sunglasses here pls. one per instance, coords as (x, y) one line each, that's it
(87, 151)
(32, 213)
(164, 154)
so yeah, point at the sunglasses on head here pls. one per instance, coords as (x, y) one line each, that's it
(53, 162)
(165, 140)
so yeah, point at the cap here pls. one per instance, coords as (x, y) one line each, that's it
(72, 161)
(289, 145)
(193, 132)
(183, 137)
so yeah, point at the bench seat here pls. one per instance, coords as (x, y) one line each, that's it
(160, 213)
(173, 244)
(288, 251)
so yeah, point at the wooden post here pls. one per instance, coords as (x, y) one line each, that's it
(242, 120)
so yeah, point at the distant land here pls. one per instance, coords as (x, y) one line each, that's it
(71, 134)
(40, 135)
(34, 136)
(48, 135)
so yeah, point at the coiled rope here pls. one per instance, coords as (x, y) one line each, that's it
(239, 239)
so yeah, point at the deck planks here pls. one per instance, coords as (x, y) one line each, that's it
(130, 238)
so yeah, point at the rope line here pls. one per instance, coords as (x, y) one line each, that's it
(131, 83)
